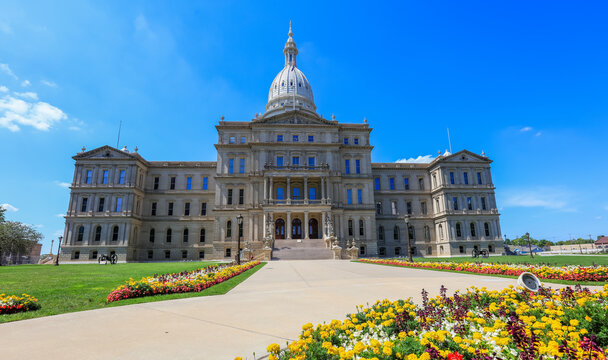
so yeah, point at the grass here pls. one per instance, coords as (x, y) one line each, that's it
(70, 288)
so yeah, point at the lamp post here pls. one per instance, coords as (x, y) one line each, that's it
(407, 233)
(239, 221)
(530, 245)
(58, 250)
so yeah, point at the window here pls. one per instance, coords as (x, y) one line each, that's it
(229, 199)
(184, 254)
(232, 140)
(89, 176)
(361, 250)
(359, 196)
(170, 209)
(350, 227)
(156, 181)
(423, 208)
(118, 204)
(204, 209)
(76, 255)
(379, 207)
(153, 211)
(358, 166)
(189, 183)
(466, 178)
(437, 205)
(458, 230)
(227, 253)
(434, 181)
(172, 185)
(427, 233)
(490, 248)
(201, 254)
(104, 179)
(377, 184)
(241, 196)
(168, 235)
(295, 138)
(391, 183)
(311, 138)
(167, 254)
(452, 177)
(455, 203)
(406, 183)
(187, 209)
(311, 162)
(185, 235)
(381, 251)
(205, 183)
(345, 141)
(98, 233)
(397, 251)
(469, 204)
(241, 166)
(483, 203)
(486, 228)
(440, 231)
(421, 183)
(230, 166)
(295, 160)
(356, 141)
(121, 178)
(201, 236)
(394, 207)
(115, 233)
(279, 193)
(349, 196)
(429, 250)
(408, 206)
(243, 139)
(93, 255)
(411, 233)
(396, 233)
(279, 138)
(473, 232)
(240, 230)
(279, 161)
(381, 233)
(80, 233)
(83, 205)
(361, 227)
(228, 229)
(152, 235)
(295, 193)
(479, 178)
(347, 166)
(150, 254)
(461, 248)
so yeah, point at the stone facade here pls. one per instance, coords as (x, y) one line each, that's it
(290, 174)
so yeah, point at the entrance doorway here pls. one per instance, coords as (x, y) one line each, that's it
(296, 229)
(313, 229)
(279, 229)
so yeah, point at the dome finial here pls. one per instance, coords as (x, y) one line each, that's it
(290, 32)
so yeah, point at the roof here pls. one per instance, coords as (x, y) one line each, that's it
(602, 241)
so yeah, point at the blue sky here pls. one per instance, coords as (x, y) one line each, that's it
(525, 82)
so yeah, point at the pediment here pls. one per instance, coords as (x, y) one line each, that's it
(293, 119)
(105, 152)
(465, 156)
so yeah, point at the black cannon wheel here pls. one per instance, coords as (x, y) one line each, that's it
(475, 253)
(113, 258)
(100, 259)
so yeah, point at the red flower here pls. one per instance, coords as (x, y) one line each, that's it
(455, 356)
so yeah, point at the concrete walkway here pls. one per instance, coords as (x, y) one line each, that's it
(271, 306)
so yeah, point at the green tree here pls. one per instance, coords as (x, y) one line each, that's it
(2, 211)
(16, 238)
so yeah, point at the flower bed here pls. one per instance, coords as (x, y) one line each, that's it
(10, 304)
(572, 273)
(479, 324)
(192, 281)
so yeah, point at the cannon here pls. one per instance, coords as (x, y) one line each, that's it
(113, 258)
(483, 253)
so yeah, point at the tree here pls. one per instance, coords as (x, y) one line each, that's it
(17, 238)
(2, 211)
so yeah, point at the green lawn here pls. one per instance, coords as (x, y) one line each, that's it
(69, 288)
(557, 260)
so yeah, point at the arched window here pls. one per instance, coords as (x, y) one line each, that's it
(361, 228)
(473, 233)
(427, 233)
(115, 233)
(440, 231)
(486, 227)
(458, 230)
(152, 234)
(98, 233)
(396, 232)
(185, 235)
(169, 233)
(381, 233)
(228, 229)
(202, 236)
(80, 233)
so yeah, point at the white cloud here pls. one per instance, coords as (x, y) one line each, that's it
(25, 83)
(8, 207)
(3, 88)
(7, 70)
(28, 111)
(28, 95)
(419, 160)
(538, 133)
(524, 129)
(598, 218)
(58, 233)
(60, 215)
(48, 83)
(551, 198)
(62, 184)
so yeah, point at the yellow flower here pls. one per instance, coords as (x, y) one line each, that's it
(273, 348)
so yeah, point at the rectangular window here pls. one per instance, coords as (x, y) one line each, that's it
(167, 254)
(296, 194)
(184, 254)
(279, 193)
(349, 196)
(423, 208)
(311, 162)
(189, 183)
(150, 254)
(205, 183)
(479, 178)
(409, 207)
(203, 209)
(156, 181)
(466, 178)
(358, 166)
(89, 176)
(455, 203)
(461, 249)
(391, 183)
(350, 227)
(312, 193)
(241, 196)
(121, 179)
(394, 207)
(102, 203)
(104, 179)
(483, 203)
(170, 209)
(229, 200)
(347, 166)
(377, 184)
(311, 138)
(421, 183)
(345, 141)
(83, 206)
(279, 138)
(153, 212)
(172, 185)
(295, 160)
(406, 183)
(279, 161)
(295, 138)
(359, 196)
(379, 207)
(118, 204)
(241, 166)
(469, 204)
(243, 140)
(356, 141)
(187, 209)
(201, 254)
(232, 140)
(230, 166)
(452, 177)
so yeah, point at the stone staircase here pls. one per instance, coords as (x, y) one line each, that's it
(311, 249)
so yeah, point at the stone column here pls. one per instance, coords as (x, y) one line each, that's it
(288, 226)
(322, 188)
(305, 191)
(270, 190)
(323, 228)
(288, 190)
(305, 225)
(265, 188)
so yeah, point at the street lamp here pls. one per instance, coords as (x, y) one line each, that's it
(530, 245)
(239, 221)
(407, 233)
(58, 250)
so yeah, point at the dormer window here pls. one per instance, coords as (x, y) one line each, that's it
(290, 57)
(283, 83)
(300, 84)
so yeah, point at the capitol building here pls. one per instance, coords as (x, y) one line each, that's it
(288, 184)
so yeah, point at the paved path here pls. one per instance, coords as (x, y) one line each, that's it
(271, 306)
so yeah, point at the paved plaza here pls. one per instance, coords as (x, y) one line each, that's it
(271, 306)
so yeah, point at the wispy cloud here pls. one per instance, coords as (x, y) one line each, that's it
(418, 160)
(606, 207)
(24, 109)
(7, 70)
(527, 128)
(538, 133)
(9, 207)
(3, 89)
(598, 218)
(65, 185)
(60, 215)
(550, 198)
(27, 95)
(26, 83)
(48, 83)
